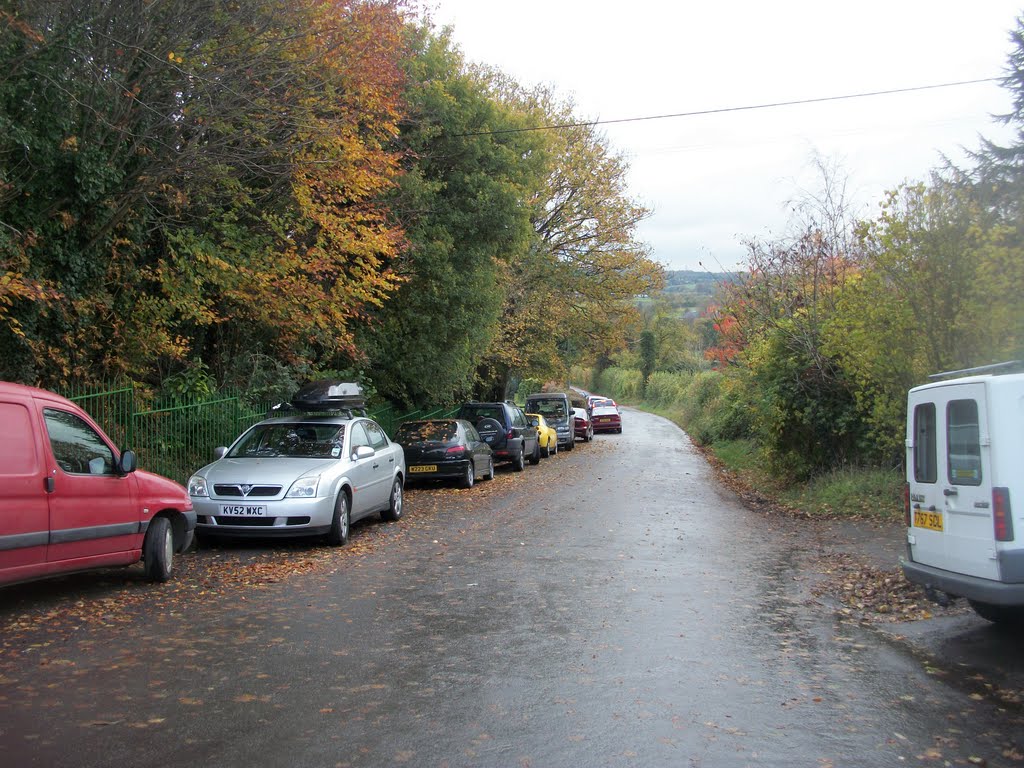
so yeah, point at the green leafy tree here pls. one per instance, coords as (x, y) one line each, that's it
(460, 201)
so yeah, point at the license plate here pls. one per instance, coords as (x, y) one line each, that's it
(930, 520)
(424, 468)
(238, 510)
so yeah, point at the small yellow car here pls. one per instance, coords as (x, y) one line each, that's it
(546, 435)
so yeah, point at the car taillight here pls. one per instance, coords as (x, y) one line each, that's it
(906, 503)
(1001, 518)
(510, 434)
(455, 450)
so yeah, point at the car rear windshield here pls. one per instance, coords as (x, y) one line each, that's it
(310, 441)
(549, 409)
(476, 412)
(427, 432)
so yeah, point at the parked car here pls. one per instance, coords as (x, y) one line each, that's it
(606, 418)
(71, 501)
(546, 434)
(965, 450)
(556, 409)
(584, 429)
(445, 449)
(505, 428)
(305, 471)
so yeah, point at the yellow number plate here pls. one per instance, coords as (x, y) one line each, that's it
(930, 520)
(424, 468)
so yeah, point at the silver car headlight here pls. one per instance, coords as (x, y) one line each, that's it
(197, 486)
(304, 488)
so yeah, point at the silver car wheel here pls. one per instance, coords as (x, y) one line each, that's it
(394, 510)
(338, 535)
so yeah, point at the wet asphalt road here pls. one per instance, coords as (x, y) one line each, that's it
(611, 607)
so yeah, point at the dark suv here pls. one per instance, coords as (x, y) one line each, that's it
(505, 428)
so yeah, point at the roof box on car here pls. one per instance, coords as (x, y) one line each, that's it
(329, 395)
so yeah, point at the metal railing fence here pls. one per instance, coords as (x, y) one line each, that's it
(175, 438)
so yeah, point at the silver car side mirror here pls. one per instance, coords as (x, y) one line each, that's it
(363, 452)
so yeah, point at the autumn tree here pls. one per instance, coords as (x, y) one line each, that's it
(937, 291)
(183, 179)
(774, 319)
(572, 296)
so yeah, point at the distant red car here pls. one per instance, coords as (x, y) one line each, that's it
(584, 427)
(606, 418)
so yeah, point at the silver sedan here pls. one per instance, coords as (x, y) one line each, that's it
(303, 475)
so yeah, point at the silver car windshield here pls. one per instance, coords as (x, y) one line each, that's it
(308, 441)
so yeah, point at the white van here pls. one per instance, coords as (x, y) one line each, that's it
(965, 465)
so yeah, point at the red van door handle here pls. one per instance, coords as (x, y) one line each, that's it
(49, 484)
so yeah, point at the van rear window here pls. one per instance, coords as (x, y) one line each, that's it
(963, 442)
(924, 444)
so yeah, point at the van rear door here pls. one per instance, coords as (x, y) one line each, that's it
(949, 471)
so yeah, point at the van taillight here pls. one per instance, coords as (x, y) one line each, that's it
(906, 503)
(1001, 517)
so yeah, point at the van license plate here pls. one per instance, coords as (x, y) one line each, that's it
(930, 520)
(237, 510)
(423, 468)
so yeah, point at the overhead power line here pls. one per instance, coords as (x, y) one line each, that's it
(746, 108)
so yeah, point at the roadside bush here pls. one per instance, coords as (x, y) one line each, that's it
(804, 413)
(623, 384)
(715, 407)
(667, 389)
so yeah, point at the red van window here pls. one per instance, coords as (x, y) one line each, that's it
(76, 446)
(17, 448)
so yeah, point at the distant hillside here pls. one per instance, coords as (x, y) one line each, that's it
(690, 292)
(694, 283)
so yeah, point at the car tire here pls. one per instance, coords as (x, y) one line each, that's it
(545, 451)
(535, 456)
(554, 448)
(1004, 615)
(519, 463)
(490, 468)
(470, 477)
(341, 522)
(158, 549)
(571, 444)
(394, 511)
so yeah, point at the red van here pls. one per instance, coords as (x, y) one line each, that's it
(70, 501)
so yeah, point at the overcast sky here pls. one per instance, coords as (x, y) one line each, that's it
(713, 181)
